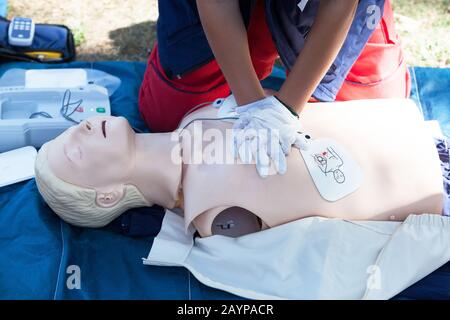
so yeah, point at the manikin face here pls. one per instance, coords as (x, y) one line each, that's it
(98, 153)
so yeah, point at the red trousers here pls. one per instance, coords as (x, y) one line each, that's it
(379, 72)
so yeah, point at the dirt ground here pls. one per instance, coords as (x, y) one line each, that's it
(103, 29)
(125, 30)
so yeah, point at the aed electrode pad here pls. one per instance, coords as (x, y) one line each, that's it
(334, 172)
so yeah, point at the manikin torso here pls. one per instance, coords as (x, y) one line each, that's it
(387, 138)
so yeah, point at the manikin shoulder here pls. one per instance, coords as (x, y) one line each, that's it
(207, 112)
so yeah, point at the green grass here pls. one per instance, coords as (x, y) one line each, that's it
(424, 27)
(79, 35)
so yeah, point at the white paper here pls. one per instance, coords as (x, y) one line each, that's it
(334, 172)
(17, 165)
(55, 78)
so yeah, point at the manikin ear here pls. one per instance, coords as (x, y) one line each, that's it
(109, 198)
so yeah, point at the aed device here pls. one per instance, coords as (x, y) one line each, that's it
(33, 116)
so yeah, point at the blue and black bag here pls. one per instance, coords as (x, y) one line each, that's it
(52, 43)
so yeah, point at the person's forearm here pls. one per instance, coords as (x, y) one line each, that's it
(227, 37)
(327, 35)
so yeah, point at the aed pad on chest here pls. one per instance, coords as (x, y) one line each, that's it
(334, 172)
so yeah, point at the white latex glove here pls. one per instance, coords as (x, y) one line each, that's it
(265, 131)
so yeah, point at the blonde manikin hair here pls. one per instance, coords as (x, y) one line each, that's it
(77, 205)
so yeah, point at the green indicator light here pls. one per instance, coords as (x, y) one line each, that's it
(101, 110)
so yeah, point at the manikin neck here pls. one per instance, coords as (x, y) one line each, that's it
(157, 173)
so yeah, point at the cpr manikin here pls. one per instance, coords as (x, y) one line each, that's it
(95, 171)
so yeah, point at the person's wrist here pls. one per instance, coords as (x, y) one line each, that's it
(251, 99)
(255, 101)
(248, 95)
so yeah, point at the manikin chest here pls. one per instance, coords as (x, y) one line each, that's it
(387, 156)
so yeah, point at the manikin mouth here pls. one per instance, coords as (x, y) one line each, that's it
(104, 128)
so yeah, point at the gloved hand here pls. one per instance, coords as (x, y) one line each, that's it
(266, 130)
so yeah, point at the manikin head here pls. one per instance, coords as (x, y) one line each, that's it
(84, 174)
